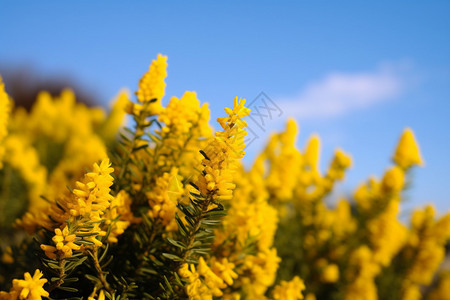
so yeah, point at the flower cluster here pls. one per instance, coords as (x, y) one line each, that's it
(222, 153)
(152, 86)
(87, 207)
(166, 210)
(204, 282)
(28, 288)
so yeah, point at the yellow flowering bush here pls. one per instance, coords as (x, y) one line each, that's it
(164, 209)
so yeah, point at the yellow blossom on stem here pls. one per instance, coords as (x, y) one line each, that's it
(119, 216)
(262, 268)
(393, 180)
(163, 199)
(407, 152)
(88, 206)
(442, 290)
(225, 270)
(152, 86)
(312, 152)
(221, 154)
(30, 288)
(361, 275)
(285, 162)
(330, 273)
(64, 244)
(426, 249)
(339, 164)
(101, 296)
(289, 290)
(7, 257)
(386, 234)
(93, 196)
(203, 283)
(186, 129)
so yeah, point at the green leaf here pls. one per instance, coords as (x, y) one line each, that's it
(176, 243)
(104, 253)
(171, 257)
(184, 232)
(92, 278)
(68, 289)
(139, 148)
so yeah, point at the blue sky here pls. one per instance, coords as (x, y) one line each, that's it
(355, 73)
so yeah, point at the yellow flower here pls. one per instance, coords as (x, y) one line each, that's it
(312, 153)
(93, 195)
(203, 283)
(362, 274)
(393, 180)
(152, 86)
(87, 207)
(289, 290)
(442, 290)
(285, 163)
(386, 234)
(407, 153)
(186, 129)
(119, 216)
(221, 155)
(310, 296)
(31, 287)
(225, 270)
(339, 164)
(412, 292)
(427, 243)
(163, 199)
(330, 273)
(7, 257)
(262, 269)
(92, 199)
(59, 137)
(101, 296)
(64, 244)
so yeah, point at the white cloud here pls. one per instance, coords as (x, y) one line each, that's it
(339, 93)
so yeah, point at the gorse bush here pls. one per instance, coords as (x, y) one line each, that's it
(165, 209)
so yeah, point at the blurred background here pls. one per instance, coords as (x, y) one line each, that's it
(355, 73)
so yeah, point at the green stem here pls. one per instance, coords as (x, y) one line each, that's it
(98, 268)
(61, 263)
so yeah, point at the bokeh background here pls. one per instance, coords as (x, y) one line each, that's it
(356, 73)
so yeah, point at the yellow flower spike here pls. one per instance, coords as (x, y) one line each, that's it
(339, 164)
(310, 296)
(289, 290)
(30, 287)
(203, 283)
(101, 295)
(407, 153)
(152, 86)
(225, 270)
(49, 251)
(442, 290)
(427, 240)
(64, 244)
(393, 180)
(7, 257)
(312, 152)
(330, 273)
(221, 154)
